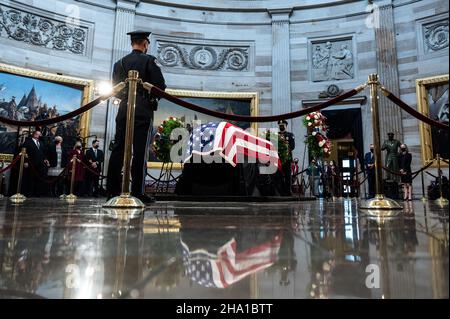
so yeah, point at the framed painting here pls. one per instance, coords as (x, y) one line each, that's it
(432, 101)
(34, 95)
(242, 103)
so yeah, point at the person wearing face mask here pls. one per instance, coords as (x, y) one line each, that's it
(94, 159)
(79, 171)
(57, 158)
(405, 159)
(369, 164)
(289, 138)
(145, 106)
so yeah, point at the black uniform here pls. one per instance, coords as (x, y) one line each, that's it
(145, 106)
(287, 169)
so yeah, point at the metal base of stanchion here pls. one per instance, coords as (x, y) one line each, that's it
(441, 201)
(123, 214)
(124, 201)
(17, 198)
(63, 197)
(381, 206)
(71, 198)
(424, 199)
(2, 196)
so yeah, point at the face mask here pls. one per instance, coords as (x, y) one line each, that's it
(78, 147)
(282, 128)
(371, 150)
(403, 149)
(95, 146)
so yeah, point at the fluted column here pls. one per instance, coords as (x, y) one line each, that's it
(125, 13)
(281, 68)
(387, 68)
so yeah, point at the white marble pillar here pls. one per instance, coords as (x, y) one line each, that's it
(125, 13)
(281, 68)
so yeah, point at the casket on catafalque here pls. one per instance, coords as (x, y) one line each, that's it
(222, 159)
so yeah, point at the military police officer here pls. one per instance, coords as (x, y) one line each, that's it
(290, 140)
(145, 106)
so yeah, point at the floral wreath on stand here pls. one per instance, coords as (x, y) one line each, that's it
(162, 142)
(319, 145)
(283, 147)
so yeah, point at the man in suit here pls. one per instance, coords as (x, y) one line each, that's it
(145, 106)
(36, 158)
(94, 159)
(289, 138)
(369, 163)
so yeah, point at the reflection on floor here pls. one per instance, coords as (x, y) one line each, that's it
(222, 250)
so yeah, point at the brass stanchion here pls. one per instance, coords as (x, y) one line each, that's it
(71, 198)
(125, 200)
(380, 206)
(1, 181)
(18, 198)
(423, 199)
(441, 200)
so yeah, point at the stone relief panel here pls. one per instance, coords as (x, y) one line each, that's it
(435, 36)
(41, 31)
(203, 57)
(332, 59)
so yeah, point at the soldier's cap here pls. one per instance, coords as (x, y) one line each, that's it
(139, 35)
(282, 122)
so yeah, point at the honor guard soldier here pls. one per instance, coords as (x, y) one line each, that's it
(145, 106)
(290, 140)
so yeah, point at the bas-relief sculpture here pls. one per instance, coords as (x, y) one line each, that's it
(40, 31)
(435, 36)
(203, 57)
(332, 60)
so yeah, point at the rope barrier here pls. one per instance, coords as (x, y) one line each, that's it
(412, 111)
(434, 176)
(445, 161)
(412, 173)
(246, 118)
(91, 170)
(45, 180)
(119, 87)
(10, 165)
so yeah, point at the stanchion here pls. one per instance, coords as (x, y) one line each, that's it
(1, 182)
(71, 198)
(423, 199)
(441, 200)
(125, 200)
(18, 197)
(380, 206)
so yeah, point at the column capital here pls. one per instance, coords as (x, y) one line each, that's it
(127, 5)
(280, 15)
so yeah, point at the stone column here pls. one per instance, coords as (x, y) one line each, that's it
(281, 67)
(125, 13)
(387, 68)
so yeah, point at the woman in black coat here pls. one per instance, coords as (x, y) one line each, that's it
(404, 161)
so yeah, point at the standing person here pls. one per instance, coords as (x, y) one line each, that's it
(286, 168)
(37, 159)
(94, 159)
(369, 164)
(57, 158)
(335, 178)
(405, 159)
(326, 179)
(391, 147)
(314, 172)
(145, 106)
(79, 170)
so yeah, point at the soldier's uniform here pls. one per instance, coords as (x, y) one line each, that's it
(287, 167)
(145, 106)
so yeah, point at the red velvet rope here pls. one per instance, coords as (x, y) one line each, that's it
(245, 118)
(58, 119)
(10, 165)
(43, 179)
(91, 170)
(413, 112)
(412, 173)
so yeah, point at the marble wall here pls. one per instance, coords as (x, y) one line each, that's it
(288, 51)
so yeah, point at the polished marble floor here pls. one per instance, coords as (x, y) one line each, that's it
(312, 249)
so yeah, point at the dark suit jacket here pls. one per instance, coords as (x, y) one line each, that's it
(148, 72)
(36, 155)
(369, 159)
(90, 155)
(52, 156)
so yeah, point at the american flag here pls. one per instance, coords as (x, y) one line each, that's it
(228, 266)
(231, 143)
